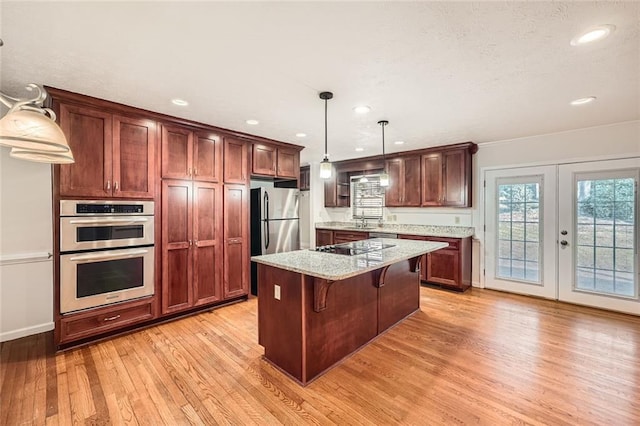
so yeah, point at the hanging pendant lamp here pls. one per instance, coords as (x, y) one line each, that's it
(28, 126)
(325, 165)
(384, 177)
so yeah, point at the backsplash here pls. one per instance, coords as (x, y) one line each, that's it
(408, 216)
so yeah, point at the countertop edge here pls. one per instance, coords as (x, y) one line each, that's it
(398, 231)
(436, 246)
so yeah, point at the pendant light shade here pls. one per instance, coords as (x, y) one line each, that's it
(384, 177)
(325, 165)
(42, 156)
(31, 130)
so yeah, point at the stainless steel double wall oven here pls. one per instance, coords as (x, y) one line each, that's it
(106, 252)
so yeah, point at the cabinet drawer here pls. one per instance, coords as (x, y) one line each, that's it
(96, 321)
(345, 237)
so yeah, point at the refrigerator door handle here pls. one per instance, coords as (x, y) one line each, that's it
(266, 219)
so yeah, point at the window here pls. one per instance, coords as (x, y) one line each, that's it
(368, 198)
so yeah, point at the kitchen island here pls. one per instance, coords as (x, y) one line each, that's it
(316, 307)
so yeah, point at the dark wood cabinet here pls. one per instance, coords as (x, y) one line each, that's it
(324, 237)
(447, 179)
(236, 241)
(188, 154)
(340, 237)
(288, 163)
(191, 244)
(449, 267)
(330, 191)
(115, 155)
(236, 161)
(404, 188)
(305, 178)
(271, 160)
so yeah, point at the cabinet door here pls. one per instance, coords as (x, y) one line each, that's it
(330, 190)
(324, 237)
(177, 293)
(340, 237)
(236, 253)
(412, 191)
(288, 163)
(456, 178)
(89, 134)
(207, 242)
(177, 152)
(432, 179)
(236, 161)
(134, 142)
(264, 160)
(393, 195)
(443, 267)
(207, 157)
(305, 176)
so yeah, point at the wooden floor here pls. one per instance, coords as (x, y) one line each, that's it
(476, 358)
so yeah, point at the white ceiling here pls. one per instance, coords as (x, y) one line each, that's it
(440, 72)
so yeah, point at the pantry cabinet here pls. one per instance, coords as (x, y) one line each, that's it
(188, 154)
(236, 241)
(115, 155)
(191, 244)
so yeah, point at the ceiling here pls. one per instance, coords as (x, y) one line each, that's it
(440, 72)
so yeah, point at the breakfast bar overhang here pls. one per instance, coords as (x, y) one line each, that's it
(315, 308)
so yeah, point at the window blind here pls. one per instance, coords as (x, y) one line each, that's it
(368, 198)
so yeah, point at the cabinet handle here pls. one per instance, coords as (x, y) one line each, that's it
(189, 171)
(108, 185)
(195, 242)
(115, 317)
(195, 172)
(190, 243)
(115, 186)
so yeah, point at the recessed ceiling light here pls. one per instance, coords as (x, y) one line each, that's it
(362, 109)
(398, 142)
(583, 101)
(301, 135)
(252, 122)
(179, 102)
(593, 34)
(359, 149)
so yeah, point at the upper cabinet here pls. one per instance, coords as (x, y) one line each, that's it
(446, 178)
(236, 161)
(404, 182)
(188, 154)
(115, 155)
(271, 160)
(305, 178)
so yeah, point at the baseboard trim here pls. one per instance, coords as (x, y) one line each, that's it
(26, 331)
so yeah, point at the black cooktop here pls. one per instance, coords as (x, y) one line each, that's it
(354, 248)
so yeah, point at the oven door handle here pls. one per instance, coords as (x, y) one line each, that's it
(92, 257)
(108, 221)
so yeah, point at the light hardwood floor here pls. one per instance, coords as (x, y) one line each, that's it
(480, 357)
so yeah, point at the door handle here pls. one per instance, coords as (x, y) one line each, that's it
(563, 232)
(564, 243)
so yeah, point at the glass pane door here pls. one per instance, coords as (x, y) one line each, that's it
(598, 234)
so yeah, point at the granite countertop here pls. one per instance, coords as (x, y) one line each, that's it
(338, 267)
(422, 230)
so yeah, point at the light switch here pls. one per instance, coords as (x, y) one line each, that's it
(276, 291)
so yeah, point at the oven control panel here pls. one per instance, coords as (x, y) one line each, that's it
(105, 207)
(108, 208)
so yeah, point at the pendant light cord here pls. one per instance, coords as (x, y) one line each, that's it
(325, 128)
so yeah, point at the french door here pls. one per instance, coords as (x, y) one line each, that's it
(598, 234)
(566, 232)
(520, 246)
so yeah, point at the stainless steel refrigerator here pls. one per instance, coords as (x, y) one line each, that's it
(274, 224)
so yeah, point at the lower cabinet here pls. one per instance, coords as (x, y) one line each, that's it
(324, 237)
(102, 320)
(449, 267)
(191, 244)
(236, 241)
(340, 237)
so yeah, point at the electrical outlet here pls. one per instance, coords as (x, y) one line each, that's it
(276, 291)
(457, 219)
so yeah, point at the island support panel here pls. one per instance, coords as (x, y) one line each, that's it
(303, 342)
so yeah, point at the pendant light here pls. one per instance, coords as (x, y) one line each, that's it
(384, 177)
(28, 126)
(325, 165)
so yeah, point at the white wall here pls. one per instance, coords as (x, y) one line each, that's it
(26, 274)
